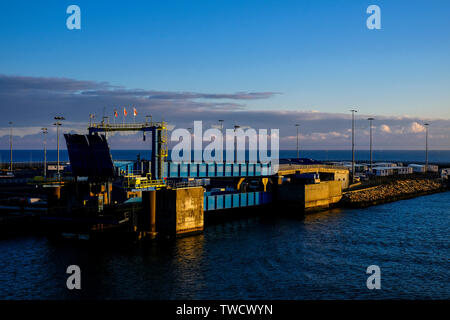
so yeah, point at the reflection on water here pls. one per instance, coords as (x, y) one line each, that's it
(321, 256)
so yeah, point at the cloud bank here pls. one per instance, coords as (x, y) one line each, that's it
(32, 102)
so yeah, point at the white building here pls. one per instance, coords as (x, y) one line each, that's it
(384, 164)
(403, 170)
(417, 167)
(432, 168)
(445, 173)
(389, 171)
(383, 171)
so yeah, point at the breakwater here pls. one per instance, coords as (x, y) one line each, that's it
(394, 191)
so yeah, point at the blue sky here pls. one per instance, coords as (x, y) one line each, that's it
(312, 55)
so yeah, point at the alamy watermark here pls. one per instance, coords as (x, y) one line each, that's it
(74, 20)
(228, 147)
(374, 20)
(74, 280)
(374, 280)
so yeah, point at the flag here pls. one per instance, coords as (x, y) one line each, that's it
(116, 114)
(134, 112)
(125, 112)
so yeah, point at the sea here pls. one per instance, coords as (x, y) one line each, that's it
(320, 256)
(434, 156)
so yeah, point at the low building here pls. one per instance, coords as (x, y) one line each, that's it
(389, 171)
(402, 170)
(433, 168)
(445, 173)
(383, 171)
(417, 167)
(385, 164)
(123, 168)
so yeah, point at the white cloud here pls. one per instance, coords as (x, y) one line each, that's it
(385, 128)
(416, 127)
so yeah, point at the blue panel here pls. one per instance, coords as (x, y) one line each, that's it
(173, 170)
(250, 198)
(264, 169)
(205, 203)
(235, 169)
(219, 169)
(236, 201)
(243, 169)
(251, 169)
(211, 169)
(228, 169)
(266, 197)
(243, 199)
(193, 170)
(257, 169)
(211, 203)
(219, 202)
(184, 170)
(202, 170)
(228, 201)
(166, 170)
(257, 198)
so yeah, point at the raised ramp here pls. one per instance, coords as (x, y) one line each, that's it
(89, 156)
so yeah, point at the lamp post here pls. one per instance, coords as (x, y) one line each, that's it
(58, 124)
(235, 143)
(370, 121)
(146, 119)
(426, 146)
(298, 154)
(10, 147)
(44, 132)
(353, 143)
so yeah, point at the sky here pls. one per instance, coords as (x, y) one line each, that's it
(262, 64)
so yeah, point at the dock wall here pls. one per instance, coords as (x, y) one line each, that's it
(309, 197)
(179, 211)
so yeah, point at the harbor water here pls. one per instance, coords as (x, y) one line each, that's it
(321, 256)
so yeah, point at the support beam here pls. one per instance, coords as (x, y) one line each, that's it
(147, 223)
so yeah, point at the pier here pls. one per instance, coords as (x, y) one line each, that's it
(97, 196)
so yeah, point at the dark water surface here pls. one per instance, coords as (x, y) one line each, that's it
(322, 256)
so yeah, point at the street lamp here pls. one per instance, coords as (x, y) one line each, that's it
(370, 121)
(353, 143)
(426, 146)
(235, 142)
(58, 124)
(221, 125)
(44, 132)
(298, 155)
(10, 147)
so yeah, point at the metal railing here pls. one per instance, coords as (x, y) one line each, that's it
(139, 182)
(288, 166)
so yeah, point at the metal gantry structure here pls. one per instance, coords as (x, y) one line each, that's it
(159, 141)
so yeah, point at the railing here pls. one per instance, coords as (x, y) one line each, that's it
(288, 166)
(138, 182)
(126, 126)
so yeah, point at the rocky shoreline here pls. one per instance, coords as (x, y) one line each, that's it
(394, 191)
